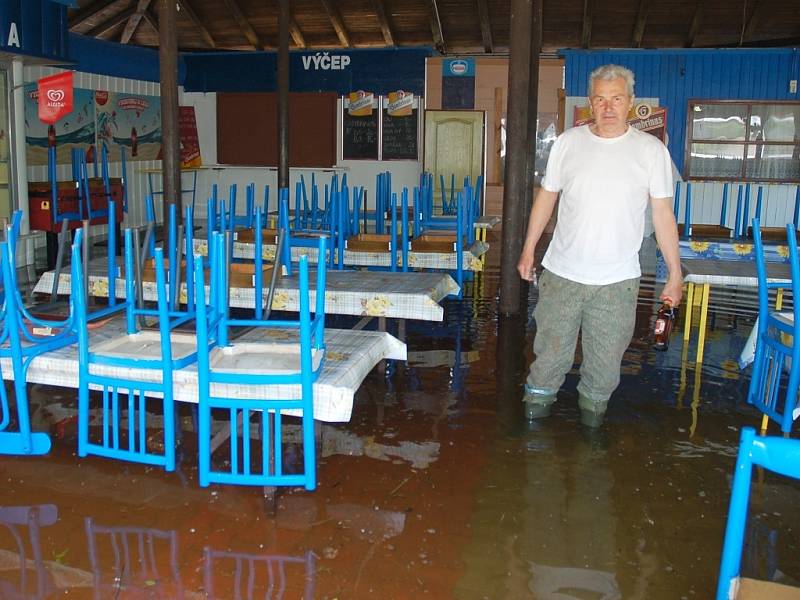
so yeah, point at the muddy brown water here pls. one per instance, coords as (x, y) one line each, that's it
(437, 488)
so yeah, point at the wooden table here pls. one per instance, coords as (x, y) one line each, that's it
(705, 273)
(349, 356)
(413, 295)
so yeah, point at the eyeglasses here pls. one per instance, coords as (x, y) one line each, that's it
(614, 100)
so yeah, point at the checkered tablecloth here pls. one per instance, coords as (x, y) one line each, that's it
(413, 295)
(349, 357)
(730, 272)
(470, 257)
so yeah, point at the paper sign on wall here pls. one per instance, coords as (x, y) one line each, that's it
(400, 104)
(190, 143)
(643, 116)
(360, 103)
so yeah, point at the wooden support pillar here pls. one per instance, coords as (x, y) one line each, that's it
(533, 97)
(284, 19)
(515, 192)
(170, 135)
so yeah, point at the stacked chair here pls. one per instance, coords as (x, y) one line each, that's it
(23, 337)
(776, 368)
(776, 454)
(111, 366)
(225, 369)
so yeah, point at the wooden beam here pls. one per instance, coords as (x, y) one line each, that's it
(243, 23)
(111, 23)
(89, 11)
(134, 20)
(697, 20)
(752, 21)
(641, 21)
(151, 19)
(336, 20)
(436, 26)
(486, 26)
(383, 21)
(586, 35)
(188, 10)
(296, 33)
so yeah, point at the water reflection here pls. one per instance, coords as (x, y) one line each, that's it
(30, 578)
(257, 575)
(141, 560)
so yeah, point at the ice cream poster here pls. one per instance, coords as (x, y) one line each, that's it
(131, 121)
(75, 130)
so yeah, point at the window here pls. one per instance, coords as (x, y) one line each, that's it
(743, 141)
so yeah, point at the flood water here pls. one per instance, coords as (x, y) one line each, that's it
(437, 488)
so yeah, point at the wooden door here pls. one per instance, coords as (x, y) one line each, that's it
(454, 141)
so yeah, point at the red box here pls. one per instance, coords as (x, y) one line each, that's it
(40, 202)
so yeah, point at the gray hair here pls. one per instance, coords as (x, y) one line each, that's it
(609, 72)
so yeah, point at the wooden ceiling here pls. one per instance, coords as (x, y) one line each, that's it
(452, 26)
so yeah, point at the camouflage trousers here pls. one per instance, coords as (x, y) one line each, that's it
(605, 315)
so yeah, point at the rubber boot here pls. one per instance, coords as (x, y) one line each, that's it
(592, 413)
(537, 406)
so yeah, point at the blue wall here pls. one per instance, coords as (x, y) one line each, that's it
(676, 76)
(92, 55)
(379, 71)
(40, 28)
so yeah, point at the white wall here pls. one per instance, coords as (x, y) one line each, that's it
(777, 208)
(360, 173)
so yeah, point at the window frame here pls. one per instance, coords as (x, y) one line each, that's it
(689, 140)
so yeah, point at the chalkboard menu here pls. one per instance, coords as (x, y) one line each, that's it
(400, 135)
(360, 136)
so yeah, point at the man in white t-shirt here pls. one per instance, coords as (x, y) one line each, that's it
(606, 172)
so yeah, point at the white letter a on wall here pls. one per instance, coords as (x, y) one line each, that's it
(13, 36)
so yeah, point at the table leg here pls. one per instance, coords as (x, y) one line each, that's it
(687, 324)
(701, 340)
(382, 327)
(764, 424)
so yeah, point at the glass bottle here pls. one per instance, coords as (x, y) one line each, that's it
(663, 326)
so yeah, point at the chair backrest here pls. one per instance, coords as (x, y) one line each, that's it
(214, 321)
(23, 337)
(764, 284)
(771, 390)
(778, 454)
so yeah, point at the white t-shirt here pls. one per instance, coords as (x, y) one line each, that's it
(605, 185)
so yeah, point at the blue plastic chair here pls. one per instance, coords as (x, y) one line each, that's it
(773, 390)
(123, 421)
(781, 455)
(246, 465)
(23, 337)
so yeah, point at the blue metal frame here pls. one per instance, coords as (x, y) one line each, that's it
(771, 390)
(778, 454)
(19, 343)
(215, 322)
(111, 419)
